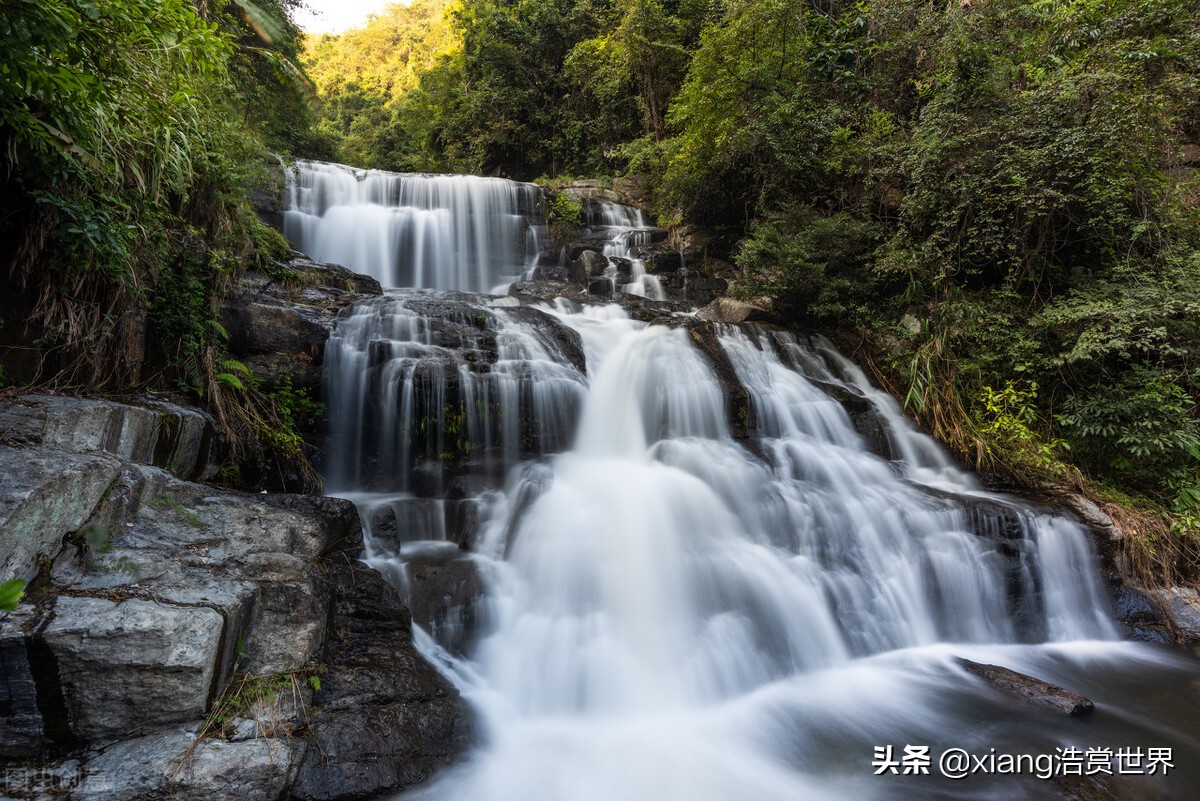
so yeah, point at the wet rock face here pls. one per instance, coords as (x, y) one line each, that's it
(694, 286)
(1149, 614)
(630, 190)
(1029, 689)
(1001, 523)
(1141, 615)
(445, 589)
(152, 593)
(385, 719)
(587, 265)
(461, 371)
(1182, 608)
(278, 326)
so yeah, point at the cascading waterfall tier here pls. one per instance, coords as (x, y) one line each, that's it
(456, 232)
(708, 562)
(624, 228)
(666, 559)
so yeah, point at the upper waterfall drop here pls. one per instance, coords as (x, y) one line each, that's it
(458, 232)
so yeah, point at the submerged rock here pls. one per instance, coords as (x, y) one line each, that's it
(1029, 689)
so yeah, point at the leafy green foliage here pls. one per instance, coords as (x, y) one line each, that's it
(564, 217)
(11, 593)
(373, 84)
(1008, 420)
(1006, 176)
(1143, 429)
(808, 263)
(518, 88)
(131, 131)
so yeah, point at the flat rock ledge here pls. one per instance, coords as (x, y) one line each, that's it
(1031, 690)
(179, 641)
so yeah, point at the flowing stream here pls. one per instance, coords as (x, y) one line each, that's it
(671, 560)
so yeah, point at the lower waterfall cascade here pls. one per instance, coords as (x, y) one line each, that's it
(665, 559)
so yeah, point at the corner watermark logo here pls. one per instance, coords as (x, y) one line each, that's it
(958, 763)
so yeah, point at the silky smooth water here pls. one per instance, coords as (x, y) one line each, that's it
(676, 610)
(437, 231)
(626, 227)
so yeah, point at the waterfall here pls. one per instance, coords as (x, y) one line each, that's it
(625, 228)
(703, 562)
(433, 231)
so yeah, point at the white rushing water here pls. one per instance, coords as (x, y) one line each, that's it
(451, 232)
(674, 611)
(626, 228)
(715, 564)
(429, 231)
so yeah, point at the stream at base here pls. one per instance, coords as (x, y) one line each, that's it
(670, 560)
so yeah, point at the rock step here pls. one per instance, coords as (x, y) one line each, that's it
(182, 440)
(152, 593)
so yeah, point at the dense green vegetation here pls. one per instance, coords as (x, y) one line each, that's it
(367, 75)
(994, 201)
(522, 89)
(131, 131)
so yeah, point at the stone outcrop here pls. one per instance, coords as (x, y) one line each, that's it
(156, 600)
(278, 323)
(589, 264)
(60, 457)
(146, 430)
(728, 310)
(633, 190)
(1030, 690)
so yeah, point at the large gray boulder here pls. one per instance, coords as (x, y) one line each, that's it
(45, 495)
(131, 667)
(155, 596)
(728, 310)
